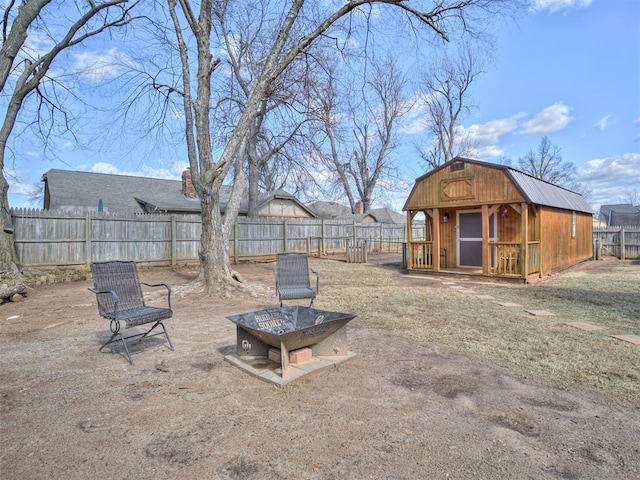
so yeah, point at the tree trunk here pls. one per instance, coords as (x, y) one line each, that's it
(215, 268)
(9, 264)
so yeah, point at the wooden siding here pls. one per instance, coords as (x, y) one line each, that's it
(559, 248)
(537, 240)
(283, 208)
(474, 185)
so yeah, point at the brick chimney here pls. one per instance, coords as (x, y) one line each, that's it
(187, 187)
(359, 208)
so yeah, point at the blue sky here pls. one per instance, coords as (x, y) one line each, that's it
(567, 69)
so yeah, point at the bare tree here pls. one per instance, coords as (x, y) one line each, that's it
(24, 74)
(297, 30)
(374, 129)
(546, 164)
(445, 97)
(246, 35)
(631, 197)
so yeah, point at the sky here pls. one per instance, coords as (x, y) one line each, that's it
(565, 69)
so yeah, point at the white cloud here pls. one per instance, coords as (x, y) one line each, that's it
(553, 6)
(603, 123)
(637, 122)
(489, 133)
(550, 119)
(416, 119)
(610, 178)
(171, 173)
(97, 67)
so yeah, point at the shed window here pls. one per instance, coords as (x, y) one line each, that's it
(456, 167)
(573, 224)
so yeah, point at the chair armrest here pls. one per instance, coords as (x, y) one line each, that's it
(317, 279)
(165, 285)
(114, 296)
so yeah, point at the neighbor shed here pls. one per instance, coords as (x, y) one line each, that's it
(494, 220)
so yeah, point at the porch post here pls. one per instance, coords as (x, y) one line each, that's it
(410, 215)
(524, 247)
(486, 251)
(435, 245)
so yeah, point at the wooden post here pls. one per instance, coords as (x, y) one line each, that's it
(236, 242)
(622, 244)
(486, 253)
(284, 235)
(174, 245)
(435, 245)
(524, 247)
(322, 234)
(87, 238)
(409, 248)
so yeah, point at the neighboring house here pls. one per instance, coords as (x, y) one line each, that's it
(494, 220)
(335, 211)
(620, 215)
(68, 191)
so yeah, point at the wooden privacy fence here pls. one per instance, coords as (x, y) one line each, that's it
(621, 242)
(51, 238)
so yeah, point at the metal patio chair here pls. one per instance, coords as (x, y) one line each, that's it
(292, 277)
(120, 299)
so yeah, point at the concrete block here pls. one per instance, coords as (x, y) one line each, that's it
(300, 356)
(274, 355)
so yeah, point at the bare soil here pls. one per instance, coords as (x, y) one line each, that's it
(401, 409)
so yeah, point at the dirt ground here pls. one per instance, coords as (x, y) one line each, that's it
(397, 410)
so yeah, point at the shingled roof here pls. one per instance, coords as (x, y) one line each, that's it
(69, 190)
(623, 214)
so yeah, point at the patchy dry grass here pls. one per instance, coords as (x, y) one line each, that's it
(545, 347)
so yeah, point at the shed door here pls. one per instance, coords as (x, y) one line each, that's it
(470, 238)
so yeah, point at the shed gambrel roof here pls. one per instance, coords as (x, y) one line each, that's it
(534, 190)
(67, 189)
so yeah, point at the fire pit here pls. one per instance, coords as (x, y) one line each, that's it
(282, 344)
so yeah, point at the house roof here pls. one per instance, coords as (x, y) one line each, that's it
(623, 214)
(330, 209)
(386, 215)
(333, 210)
(119, 193)
(130, 194)
(534, 190)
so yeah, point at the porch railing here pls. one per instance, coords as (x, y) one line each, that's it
(506, 258)
(423, 255)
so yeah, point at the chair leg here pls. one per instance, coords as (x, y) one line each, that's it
(166, 333)
(124, 343)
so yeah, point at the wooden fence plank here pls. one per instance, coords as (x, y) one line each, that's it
(51, 238)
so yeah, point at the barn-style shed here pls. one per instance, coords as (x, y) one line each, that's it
(494, 220)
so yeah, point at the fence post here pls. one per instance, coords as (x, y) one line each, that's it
(322, 234)
(284, 235)
(622, 244)
(174, 245)
(87, 236)
(236, 241)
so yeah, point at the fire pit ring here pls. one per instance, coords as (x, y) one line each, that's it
(283, 333)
